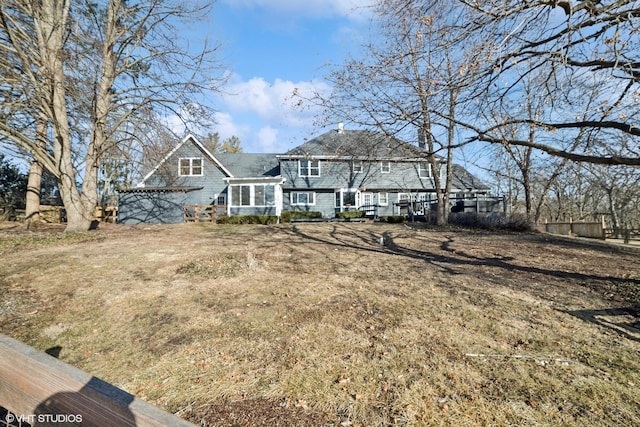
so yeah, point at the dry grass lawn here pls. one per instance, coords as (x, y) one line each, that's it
(319, 324)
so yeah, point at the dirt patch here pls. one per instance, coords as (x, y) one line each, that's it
(257, 412)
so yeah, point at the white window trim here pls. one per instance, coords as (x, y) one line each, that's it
(252, 196)
(308, 162)
(342, 191)
(421, 170)
(236, 203)
(357, 166)
(190, 159)
(385, 167)
(294, 200)
(386, 198)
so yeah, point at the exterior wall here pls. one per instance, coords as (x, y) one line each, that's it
(338, 174)
(325, 202)
(211, 179)
(158, 207)
(262, 210)
(402, 177)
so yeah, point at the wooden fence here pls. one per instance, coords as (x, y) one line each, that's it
(106, 214)
(39, 389)
(594, 230)
(624, 234)
(204, 213)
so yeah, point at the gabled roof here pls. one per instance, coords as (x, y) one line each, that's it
(465, 180)
(359, 144)
(195, 141)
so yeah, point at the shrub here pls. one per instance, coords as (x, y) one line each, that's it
(488, 221)
(393, 219)
(519, 222)
(491, 221)
(287, 216)
(350, 214)
(248, 219)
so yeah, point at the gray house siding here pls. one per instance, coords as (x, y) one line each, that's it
(211, 179)
(338, 174)
(261, 210)
(155, 207)
(370, 183)
(324, 202)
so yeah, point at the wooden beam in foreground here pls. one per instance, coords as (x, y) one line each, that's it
(42, 390)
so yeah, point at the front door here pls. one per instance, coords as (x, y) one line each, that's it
(366, 200)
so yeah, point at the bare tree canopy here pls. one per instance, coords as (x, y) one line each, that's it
(98, 77)
(589, 53)
(581, 59)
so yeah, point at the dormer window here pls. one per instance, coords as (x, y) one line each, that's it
(309, 167)
(190, 166)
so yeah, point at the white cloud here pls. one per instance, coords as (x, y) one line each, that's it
(226, 127)
(352, 9)
(267, 140)
(266, 116)
(274, 102)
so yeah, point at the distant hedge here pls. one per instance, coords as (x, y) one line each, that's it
(350, 214)
(288, 216)
(248, 219)
(393, 219)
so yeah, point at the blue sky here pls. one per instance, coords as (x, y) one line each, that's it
(270, 48)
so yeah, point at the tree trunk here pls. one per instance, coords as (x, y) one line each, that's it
(34, 184)
(51, 21)
(32, 208)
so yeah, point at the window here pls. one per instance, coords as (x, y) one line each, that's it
(264, 195)
(346, 199)
(424, 170)
(190, 166)
(252, 195)
(241, 195)
(221, 200)
(303, 198)
(383, 199)
(385, 167)
(309, 167)
(356, 166)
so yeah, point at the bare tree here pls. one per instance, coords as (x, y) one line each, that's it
(414, 65)
(583, 46)
(97, 72)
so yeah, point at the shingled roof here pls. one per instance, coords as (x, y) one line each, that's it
(250, 164)
(360, 144)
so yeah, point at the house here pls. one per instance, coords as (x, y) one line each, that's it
(338, 171)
